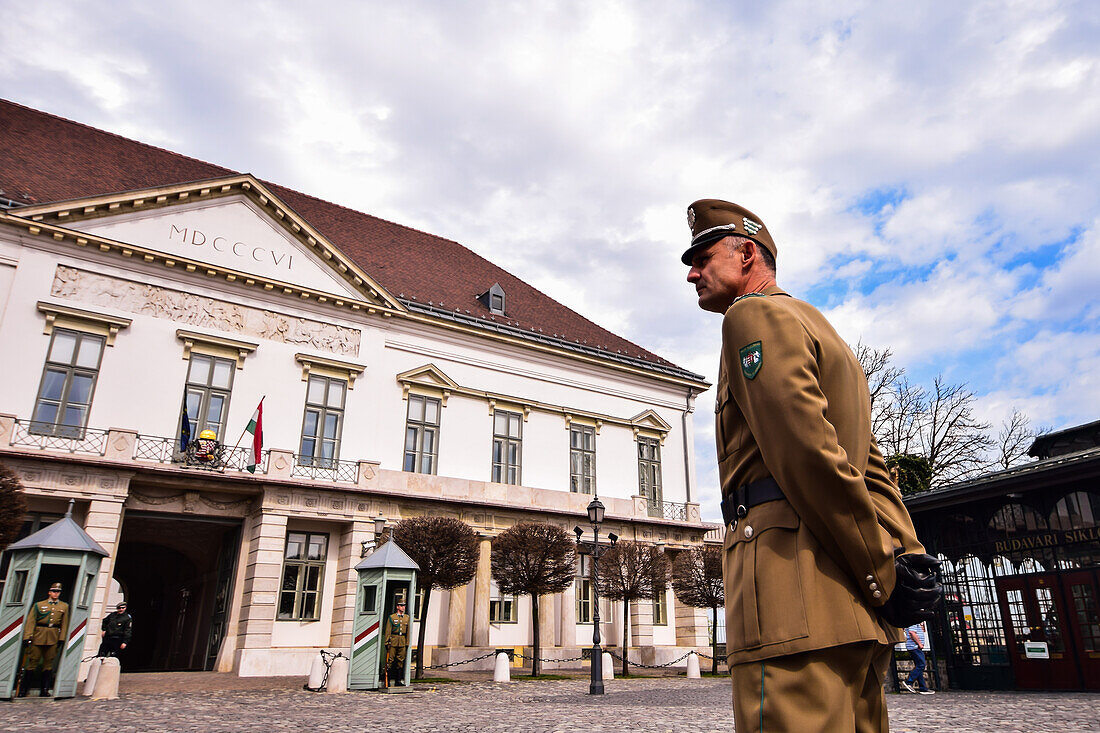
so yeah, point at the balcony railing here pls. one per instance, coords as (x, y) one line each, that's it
(325, 469)
(219, 460)
(671, 510)
(69, 438)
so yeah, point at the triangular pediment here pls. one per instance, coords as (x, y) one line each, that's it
(650, 420)
(428, 375)
(233, 224)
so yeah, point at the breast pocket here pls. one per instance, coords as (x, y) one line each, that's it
(730, 430)
(764, 598)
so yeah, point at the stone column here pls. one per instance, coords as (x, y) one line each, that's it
(568, 635)
(691, 624)
(343, 604)
(641, 623)
(480, 635)
(103, 524)
(456, 617)
(266, 543)
(546, 621)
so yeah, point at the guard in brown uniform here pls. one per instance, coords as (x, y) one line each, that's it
(43, 634)
(395, 639)
(821, 559)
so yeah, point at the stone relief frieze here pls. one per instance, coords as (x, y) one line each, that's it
(195, 310)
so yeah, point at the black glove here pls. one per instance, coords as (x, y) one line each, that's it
(916, 594)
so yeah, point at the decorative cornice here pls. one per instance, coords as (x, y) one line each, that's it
(56, 314)
(240, 349)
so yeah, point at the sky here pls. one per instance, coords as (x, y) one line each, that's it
(928, 170)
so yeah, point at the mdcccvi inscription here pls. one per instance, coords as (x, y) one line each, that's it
(244, 250)
(93, 288)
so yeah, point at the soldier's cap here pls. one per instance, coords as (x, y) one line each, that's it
(713, 219)
(55, 586)
(120, 604)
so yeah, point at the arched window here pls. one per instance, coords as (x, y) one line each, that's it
(1017, 518)
(1075, 511)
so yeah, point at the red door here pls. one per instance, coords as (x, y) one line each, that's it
(1083, 616)
(1034, 614)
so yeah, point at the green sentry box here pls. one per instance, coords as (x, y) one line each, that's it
(382, 576)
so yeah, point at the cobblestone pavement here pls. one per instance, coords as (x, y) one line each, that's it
(205, 702)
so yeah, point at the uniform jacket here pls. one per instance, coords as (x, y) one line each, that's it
(47, 622)
(396, 632)
(118, 626)
(805, 572)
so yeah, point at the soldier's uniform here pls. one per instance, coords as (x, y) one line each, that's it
(395, 638)
(117, 629)
(43, 634)
(813, 518)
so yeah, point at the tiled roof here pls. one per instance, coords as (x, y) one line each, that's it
(49, 159)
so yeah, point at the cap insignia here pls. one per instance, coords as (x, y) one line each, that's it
(751, 226)
(691, 218)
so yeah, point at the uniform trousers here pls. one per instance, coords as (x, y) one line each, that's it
(833, 690)
(40, 656)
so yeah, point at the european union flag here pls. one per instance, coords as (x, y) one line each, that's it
(185, 431)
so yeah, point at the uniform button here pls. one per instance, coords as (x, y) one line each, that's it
(877, 594)
(874, 586)
(748, 531)
(870, 578)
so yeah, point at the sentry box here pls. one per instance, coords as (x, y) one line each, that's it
(384, 576)
(61, 552)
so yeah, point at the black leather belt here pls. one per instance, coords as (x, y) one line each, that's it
(737, 504)
(49, 626)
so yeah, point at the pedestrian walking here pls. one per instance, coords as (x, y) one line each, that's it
(915, 638)
(116, 630)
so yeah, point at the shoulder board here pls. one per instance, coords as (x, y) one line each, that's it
(746, 295)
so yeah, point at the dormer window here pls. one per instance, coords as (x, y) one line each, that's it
(493, 299)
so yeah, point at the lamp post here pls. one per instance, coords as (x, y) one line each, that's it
(595, 518)
(379, 526)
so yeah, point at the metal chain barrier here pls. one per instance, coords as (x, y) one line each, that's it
(649, 666)
(464, 661)
(721, 657)
(571, 659)
(328, 658)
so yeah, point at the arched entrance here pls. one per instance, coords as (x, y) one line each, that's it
(177, 574)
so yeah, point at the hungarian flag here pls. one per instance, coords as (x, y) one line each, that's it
(256, 430)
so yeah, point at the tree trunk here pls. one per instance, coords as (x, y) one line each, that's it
(420, 634)
(626, 632)
(714, 643)
(535, 623)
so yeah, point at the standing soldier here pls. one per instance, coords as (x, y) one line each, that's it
(822, 563)
(395, 638)
(43, 635)
(116, 630)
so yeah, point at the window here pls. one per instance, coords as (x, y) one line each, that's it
(582, 459)
(206, 396)
(649, 470)
(421, 434)
(507, 445)
(368, 599)
(18, 587)
(303, 571)
(418, 604)
(502, 609)
(660, 610)
(68, 381)
(584, 589)
(87, 591)
(323, 420)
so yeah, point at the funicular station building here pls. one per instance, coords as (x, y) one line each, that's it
(1021, 561)
(400, 374)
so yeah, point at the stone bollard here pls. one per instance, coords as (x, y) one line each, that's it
(502, 671)
(338, 675)
(106, 682)
(316, 672)
(608, 667)
(93, 672)
(693, 666)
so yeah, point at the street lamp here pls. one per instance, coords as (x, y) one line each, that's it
(596, 514)
(379, 526)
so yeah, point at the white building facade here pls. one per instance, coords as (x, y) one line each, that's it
(125, 307)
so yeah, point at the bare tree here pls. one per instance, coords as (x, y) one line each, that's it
(697, 582)
(12, 506)
(1015, 438)
(902, 416)
(533, 558)
(882, 378)
(631, 571)
(446, 550)
(951, 438)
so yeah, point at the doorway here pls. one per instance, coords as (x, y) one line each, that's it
(1052, 629)
(176, 573)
